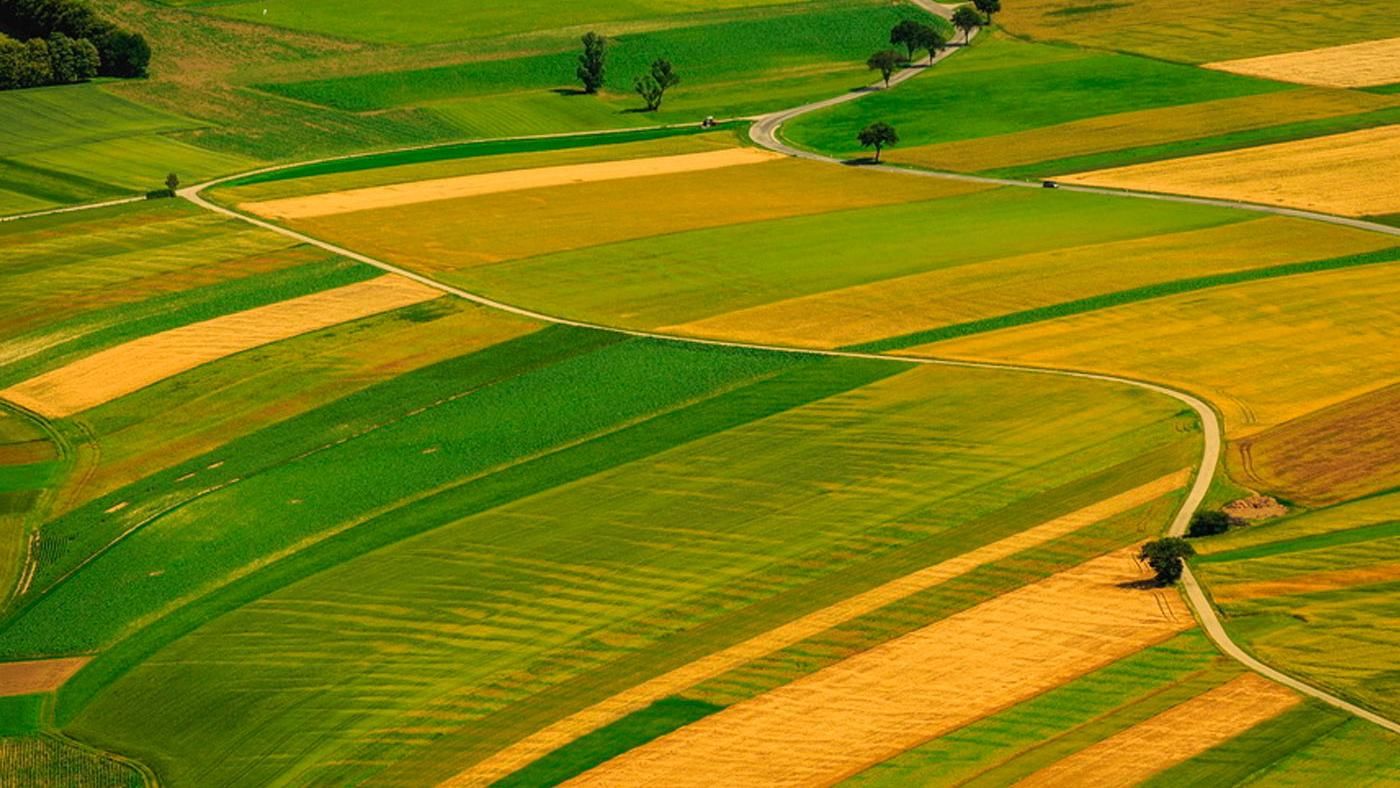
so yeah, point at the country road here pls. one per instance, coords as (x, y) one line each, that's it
(764, 132)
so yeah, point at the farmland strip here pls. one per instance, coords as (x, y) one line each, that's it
(38, 675)
(570, 728)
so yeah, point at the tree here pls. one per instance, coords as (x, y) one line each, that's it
(34, 66)
(877, 135)
(966, 20)
(124, 54)
(653, 86)
(1209, 523)
(172, 182)
(1166, 557)
(593, 62)
(906, 34)
(885, 61)
(988, 7)
(931, 39)
(89, 63)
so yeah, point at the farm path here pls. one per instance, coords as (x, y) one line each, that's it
(764, 133)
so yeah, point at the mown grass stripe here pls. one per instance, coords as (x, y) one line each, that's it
(470, 150)
(1106, 300)
(1303, 543)
(610, 741)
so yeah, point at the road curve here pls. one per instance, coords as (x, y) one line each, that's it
(764, 133)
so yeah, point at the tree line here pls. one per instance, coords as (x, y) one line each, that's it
(46, 42)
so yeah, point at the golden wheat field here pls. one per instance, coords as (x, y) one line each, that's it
(1182, 732)
(1348, 66)
(865, 709)
(39, 675)
(106, 375)
(1353, 174)
(979, 290)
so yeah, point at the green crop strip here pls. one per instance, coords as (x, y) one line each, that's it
(469, 150)
(1303, 543)
(610, 741)
(1106, 300)
(1258, 748)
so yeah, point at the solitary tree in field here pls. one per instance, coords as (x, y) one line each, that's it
(172, 182)
(1209, 523)
(1167, 557)
(651, 87)
(966, 20)
(877, 135)
(593, 62)
(988, 7)
(929, 38)
(906, 34)
(885, 61)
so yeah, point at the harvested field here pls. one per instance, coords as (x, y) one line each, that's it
(39, 675)
(676, 681)
(1264, 352)
(112, 373)
(1353, 174)
(1123, 130)
(437, 189)
(1338, 453)
(1171, 737)
(1311, 583)
(868, 708)
(988, 288)
(1348, 66)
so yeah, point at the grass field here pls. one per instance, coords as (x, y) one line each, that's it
(1179, 31)
(504, 561)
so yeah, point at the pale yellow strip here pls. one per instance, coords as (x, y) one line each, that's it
(1178, 734)
(1349, 66)
(870, 707)
(118, 371)
(1354, 174)
(1309, 583)
(566, 730)
(495, 182)
(39, 675)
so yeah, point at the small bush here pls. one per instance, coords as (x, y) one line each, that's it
(159, 194)
(1209, 523)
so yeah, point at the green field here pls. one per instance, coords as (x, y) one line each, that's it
(283, 539)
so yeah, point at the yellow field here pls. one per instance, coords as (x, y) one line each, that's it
(870, 707)
(1144, 127)
(996, 287)
(1347, 66)
(680, 679)
(1185, 31)
(117, 371)
(1353, 174)
(39, 675)
(1175, 735)
(438, 189)
(1339, 453)
(1263, 352)
(1307, 583)
(473, 231)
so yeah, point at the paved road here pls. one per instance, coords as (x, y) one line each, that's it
(764, 132)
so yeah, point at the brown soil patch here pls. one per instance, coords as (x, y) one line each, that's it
(118, 371)
(570, 728)
(496, 182)
(1350, 66)
(1312, 582)
(1255, 507)
(1175, 735)
(39, 675)
(1352, 174)
(873, 706)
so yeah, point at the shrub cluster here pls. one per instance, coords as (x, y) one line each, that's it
(57, 60)
(64, 41)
